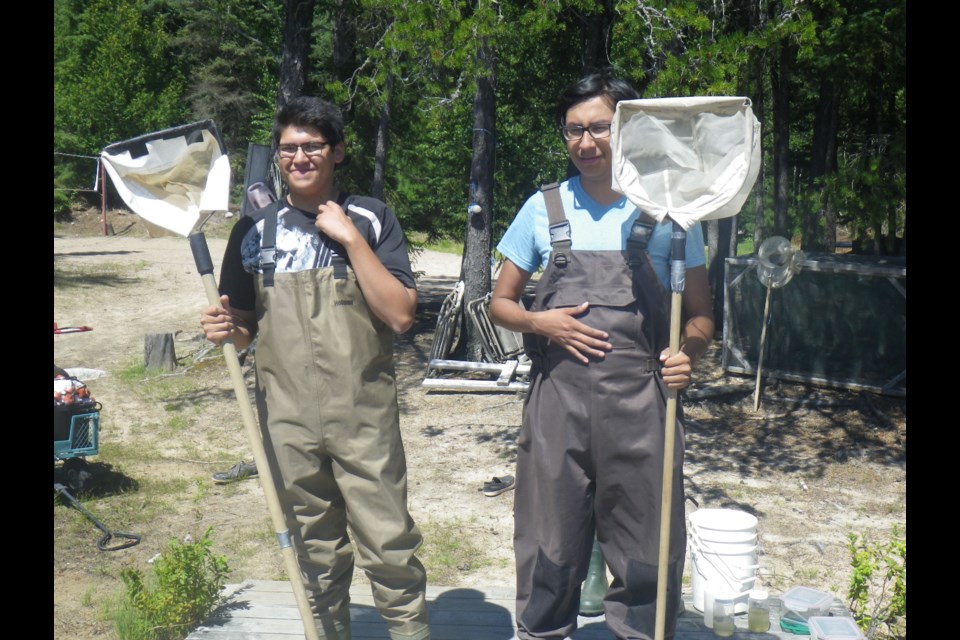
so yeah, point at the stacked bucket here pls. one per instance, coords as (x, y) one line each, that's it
(723, 548)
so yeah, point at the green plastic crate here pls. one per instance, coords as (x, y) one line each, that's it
(75, 434)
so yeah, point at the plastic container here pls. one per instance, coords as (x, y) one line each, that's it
(724, 624)
(758, 611)
(724, 525)
(807, 602)
(724, 553)
(834, 628)
(708, 599)
(734, 572)
(76, 432)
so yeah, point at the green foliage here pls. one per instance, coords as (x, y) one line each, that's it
(229, 52)
(114, 77)
(878, 585)
(64, 178)
(127, 67)
(745, 246)
(183, 589)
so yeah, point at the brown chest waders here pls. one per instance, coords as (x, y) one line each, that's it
(591, 446)
(327, 401)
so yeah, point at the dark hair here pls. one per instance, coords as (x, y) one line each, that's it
(591, 86)
(305, 111)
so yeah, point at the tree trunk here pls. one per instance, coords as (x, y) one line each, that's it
(344, 41)
(903, 243)
(159, 353)
(383, 129)
(477, 243)
(295, 49)
(595, 30)
(759, 107)
(781, 140)
(719, 235)
(712, 234)
(823, 163)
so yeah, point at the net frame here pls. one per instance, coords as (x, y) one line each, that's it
(689, 159)
(170, 177)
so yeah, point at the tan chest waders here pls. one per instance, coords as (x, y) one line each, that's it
(327, 399)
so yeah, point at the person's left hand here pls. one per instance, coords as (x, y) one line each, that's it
(676, 369)
(334, 222)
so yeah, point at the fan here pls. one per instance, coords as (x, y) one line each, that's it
(778, 262)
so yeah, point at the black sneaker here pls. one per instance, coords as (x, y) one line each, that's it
(240, 471)
(497, 486)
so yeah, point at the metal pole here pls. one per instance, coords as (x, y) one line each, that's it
(103, 197)
(763, 339)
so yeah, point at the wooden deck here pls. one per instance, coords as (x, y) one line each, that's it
(266, 610)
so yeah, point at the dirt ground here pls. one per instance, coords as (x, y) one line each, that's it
(813, 464)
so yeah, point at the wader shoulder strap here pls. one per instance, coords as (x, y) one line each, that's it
(559, 225)
(339, 267)
(639, 238)
(560, 237)
(268, 245)
(268, 251)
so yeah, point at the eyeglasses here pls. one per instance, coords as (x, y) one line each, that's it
(309, 148)
(575, 132)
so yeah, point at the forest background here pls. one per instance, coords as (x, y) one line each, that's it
(450, 103)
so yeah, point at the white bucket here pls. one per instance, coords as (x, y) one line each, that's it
(723, 525)
(725, 537)
(723, 548)
(724, 554)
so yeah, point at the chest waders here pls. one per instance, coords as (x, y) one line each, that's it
(327, 401)
(591, 446)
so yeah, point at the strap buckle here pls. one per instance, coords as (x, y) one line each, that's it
(560, 232)
(267, 257)
(640, 233)
(637, 241)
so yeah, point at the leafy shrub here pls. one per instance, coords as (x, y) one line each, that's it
(185, 588)
(63, 178)
(878, 585)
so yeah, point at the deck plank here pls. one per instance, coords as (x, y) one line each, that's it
(266, 610)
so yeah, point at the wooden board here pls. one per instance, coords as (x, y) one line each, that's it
(266, 610)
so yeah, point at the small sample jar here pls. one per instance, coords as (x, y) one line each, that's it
(723, 612)
(758, 611)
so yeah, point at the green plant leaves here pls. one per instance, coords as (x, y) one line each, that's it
(877, 592)
(183, 589)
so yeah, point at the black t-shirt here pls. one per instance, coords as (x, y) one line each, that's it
(300, 246)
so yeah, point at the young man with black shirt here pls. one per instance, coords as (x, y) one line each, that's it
(323, 280)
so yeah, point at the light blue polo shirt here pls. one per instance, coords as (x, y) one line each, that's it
(593, 227)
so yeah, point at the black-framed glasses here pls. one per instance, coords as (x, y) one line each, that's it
(309, 148)
(597, 130)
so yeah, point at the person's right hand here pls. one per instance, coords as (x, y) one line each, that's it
(218, 322)
(561, 326)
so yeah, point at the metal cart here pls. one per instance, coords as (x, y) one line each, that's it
(76, 435)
